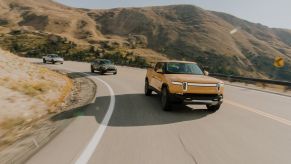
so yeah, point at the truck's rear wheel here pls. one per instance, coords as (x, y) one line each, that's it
(43, 60)
(213, 107)
(147, 89)
(92, 70)
(166, 104)
(53, 62)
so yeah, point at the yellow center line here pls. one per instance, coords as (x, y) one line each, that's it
(261, 113)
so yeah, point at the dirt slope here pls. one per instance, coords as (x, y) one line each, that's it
(224, 43)
(217, 39)
(28, 91)
(46, 15)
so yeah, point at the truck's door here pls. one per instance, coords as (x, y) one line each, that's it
(49, 58)
(97, 65)
(156, 81)
(160, 76)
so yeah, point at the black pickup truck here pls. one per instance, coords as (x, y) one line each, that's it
(103, 66)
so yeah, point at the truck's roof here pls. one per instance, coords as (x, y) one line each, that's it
(177, 61)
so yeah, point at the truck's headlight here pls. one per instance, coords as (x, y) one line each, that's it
(221, 84)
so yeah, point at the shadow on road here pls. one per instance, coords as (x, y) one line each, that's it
(97, 74)
(135, 110)
(86, 74)
(48, 63)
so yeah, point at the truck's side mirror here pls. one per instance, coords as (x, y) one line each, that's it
(206, 73)
(204, 67)
(159, 71)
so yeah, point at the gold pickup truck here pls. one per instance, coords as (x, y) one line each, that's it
(185, 82)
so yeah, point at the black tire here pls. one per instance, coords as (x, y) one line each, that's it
(114, 73)
(147, 91)
(165, 99)
(92, 70)
(102, 72)
(179, 101)
(53, 62)
(62, 63)
(44, 61)
(213, 108)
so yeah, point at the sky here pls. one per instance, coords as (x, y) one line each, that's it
(273, 13)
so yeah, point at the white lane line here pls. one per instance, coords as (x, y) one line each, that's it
(95, 140)
(261, 113)
(90, 148)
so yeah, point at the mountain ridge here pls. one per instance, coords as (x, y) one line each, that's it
(221, 41)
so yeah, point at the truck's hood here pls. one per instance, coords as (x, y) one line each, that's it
(192, 78)
(58, 59)
(109, 66)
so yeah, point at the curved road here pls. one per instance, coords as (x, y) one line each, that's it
(122, 126)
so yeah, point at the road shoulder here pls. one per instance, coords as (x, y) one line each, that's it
(45, 128)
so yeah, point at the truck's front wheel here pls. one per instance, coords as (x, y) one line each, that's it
(43, 60)
(166, 104)
(102, 72)
(147, 89)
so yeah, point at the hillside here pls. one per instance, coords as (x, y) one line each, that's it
(178, 32)
(27, 92)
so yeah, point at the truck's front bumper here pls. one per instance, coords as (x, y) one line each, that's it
(201, 99)
(58, 60)
(111, 70)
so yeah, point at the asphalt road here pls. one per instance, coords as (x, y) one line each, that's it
(251, 127)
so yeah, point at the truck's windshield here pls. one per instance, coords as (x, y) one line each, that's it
(183, 68)
(105, 62)
(54, 56)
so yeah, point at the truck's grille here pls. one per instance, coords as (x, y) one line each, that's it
(202, 96)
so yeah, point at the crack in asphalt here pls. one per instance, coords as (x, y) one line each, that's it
(187, 151)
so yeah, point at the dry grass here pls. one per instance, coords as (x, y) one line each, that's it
(12, 122)
(150, 55)
(31, 90)
(180, 31)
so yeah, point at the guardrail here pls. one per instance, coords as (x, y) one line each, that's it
(232, 78)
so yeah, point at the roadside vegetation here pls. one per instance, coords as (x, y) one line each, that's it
(38, 44)
(133, 52)
(140, 36)
(27, 92)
